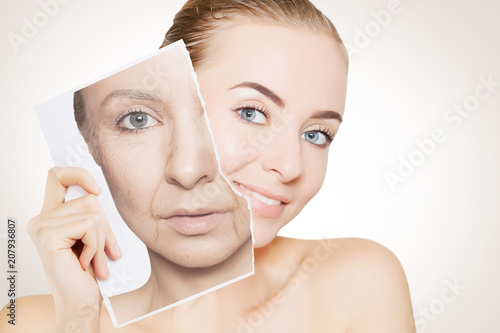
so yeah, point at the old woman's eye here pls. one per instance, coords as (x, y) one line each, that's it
(137, 120)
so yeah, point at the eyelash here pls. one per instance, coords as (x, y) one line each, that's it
(259, 108)
(326, 131)
(329, 134)
(129, 112)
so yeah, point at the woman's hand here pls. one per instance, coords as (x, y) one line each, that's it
(72, 239)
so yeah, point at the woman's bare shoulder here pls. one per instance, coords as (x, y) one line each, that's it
(349, 274)
(30, 314)
(344, 255)
(356, 260)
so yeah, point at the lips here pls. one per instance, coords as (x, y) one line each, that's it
(263, 202)
(192, 223)
(262, 198)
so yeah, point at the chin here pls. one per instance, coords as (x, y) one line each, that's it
(196, 262)
(199, 254)
(263, 236)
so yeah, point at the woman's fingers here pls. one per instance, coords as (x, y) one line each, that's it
(111, 246)
(61, 224)
(100, 265)
(91, 203)
(85, 231)
(82, 220)
(58, 180)
(88, 204)
(86, 207)
(99, 261)
(71, 240)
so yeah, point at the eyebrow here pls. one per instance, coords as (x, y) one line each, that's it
(263, 90)
(327, 115)
(278, 101)
(130, 94)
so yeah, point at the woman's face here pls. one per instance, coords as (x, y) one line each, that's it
(275, 97)
(157, 156)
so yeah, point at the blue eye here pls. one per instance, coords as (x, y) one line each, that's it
(316, 137)
(137, 120)
(252, 115)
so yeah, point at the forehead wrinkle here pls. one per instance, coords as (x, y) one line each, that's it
(129, 94)
(194, 94)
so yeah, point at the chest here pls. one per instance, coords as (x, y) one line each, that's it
(291, 309)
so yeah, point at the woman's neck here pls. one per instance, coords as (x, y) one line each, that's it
(170, 283)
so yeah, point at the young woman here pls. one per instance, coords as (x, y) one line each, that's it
(273, 75)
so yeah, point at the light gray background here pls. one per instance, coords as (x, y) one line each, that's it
(442, 221)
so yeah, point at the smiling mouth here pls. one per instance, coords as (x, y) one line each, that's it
(260, 197)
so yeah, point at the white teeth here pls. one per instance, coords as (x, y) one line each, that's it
(266, 200)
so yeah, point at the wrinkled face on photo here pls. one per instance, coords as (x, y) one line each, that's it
(154, 147)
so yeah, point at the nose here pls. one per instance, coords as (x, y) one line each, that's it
(283, 157)
(191, 160)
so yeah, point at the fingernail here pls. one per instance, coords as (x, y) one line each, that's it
(106, 271)
(118, 250)
(97, 188)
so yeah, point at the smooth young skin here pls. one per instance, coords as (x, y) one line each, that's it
(339, 285)
(275, 100)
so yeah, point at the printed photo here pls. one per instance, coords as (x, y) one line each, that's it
(142, 134)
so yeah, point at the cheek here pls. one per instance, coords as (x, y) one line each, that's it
(315, 165)
(235, 151)
(130, 177)
(242, 217)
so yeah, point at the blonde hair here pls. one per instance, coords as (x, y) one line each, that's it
(199, 20)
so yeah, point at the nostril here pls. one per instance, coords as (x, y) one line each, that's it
(186, 179)
(189, 175)
(284, 159)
